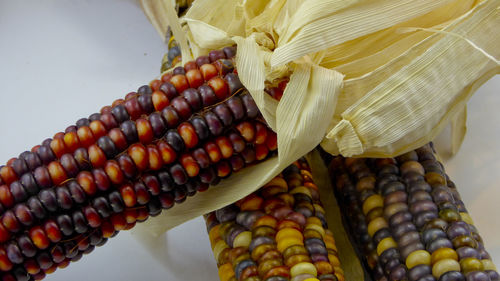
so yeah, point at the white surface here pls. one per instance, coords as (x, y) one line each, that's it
(63, 60)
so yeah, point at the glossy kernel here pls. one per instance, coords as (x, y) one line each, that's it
(188, 134)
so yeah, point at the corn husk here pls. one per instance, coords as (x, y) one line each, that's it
(367, 78)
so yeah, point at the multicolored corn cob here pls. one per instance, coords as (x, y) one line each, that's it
(408, 219)
(144, 153)
(278, 233)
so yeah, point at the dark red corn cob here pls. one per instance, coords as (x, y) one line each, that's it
(143, 154)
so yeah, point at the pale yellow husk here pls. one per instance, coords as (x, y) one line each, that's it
(368, 78)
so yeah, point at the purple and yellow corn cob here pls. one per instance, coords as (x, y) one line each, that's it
(144, 153)
(408, 219)
(278, 233)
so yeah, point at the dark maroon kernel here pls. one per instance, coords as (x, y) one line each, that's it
(236, 106)
(64, 198)
(467, 252)
(144, 89)
(94, 117)
(120, 113)
(70, 129)
(214, 124)
(32, 159)
(390, 265)
(392, 186)
(96, 237)
(142, 193)
(207, 95)
(192, 186)
(252, 110)
(201, 60)
(18, 191)
(130, 131)
(26, 246)
(116, 202)
(166, 200)
(48, 199)
(174, 140)
(477, 276)
(23, 214)
(158, 124)
(80, 222)
(166, 182)
(102, 206)
(108, 146)
(410, 177)
(193, 98)
(182, 107)
(14, 253)
(57, 253)
(494, 276)
(402, 229)
(388, 255)
(180, 194)
(19, 166)
(102, 242)
(77, 193)
(222, 111)
(439, 243)
(234, 83)
(237, 142)
(179, 70)
(127, 166)
(70, 249)
(146, 103)
(201, 128)
(381, 234)
(422, 219)
(20, 274)
(82, 122)
(101, 179)
(418, 272)
(171, 116)
(230, 52)
(81, 156)
(436, 223)
(36, 207)
(42, 177)
(46, 154)
(46, 142)
(237, 163)
(248, 155)
(109, 121)
(224, 66)
(408, 238)
(201, 157)
(452, 276)
(423, 206)
(208, 175)
(419, 195)
(89, 250)
(405, 251)
(69, 164)
(216, 55)
(178, 174)
(65, 224)
(152, 183)
(169, 90)
(154, 207)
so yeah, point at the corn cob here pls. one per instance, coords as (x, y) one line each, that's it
(408, 219)
(170, 139)
(277, 233)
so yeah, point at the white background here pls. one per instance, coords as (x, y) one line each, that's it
(63, 60)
